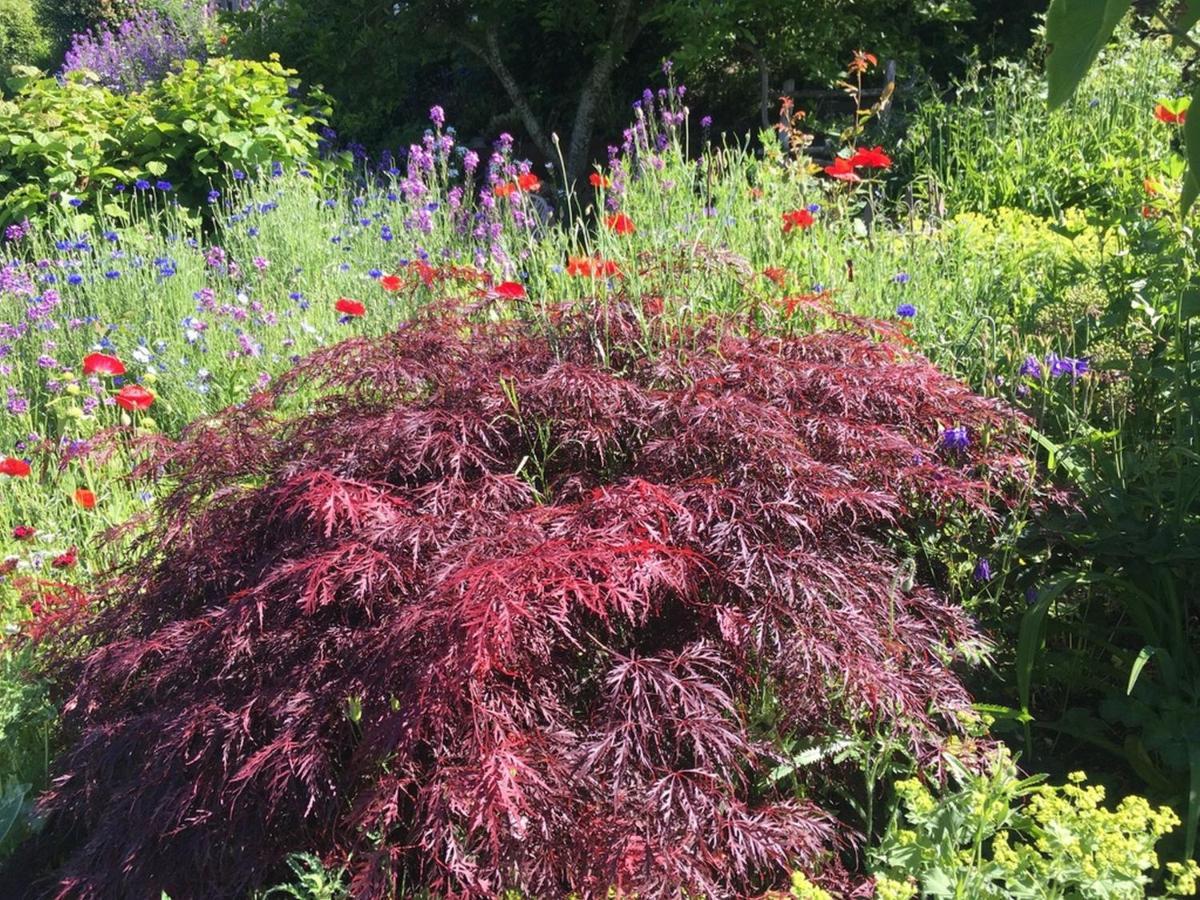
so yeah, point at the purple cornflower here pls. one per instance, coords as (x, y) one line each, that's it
(956, 438)
(706, 122)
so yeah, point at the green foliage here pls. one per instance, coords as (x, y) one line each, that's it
(310, 880)
(22, 39)
(996, 836)
(994, 146)
(27, 726)
(1076, 30)
(75, 139)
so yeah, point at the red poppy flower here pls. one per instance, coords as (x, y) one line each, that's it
(102, 364)
(1163, 114)
(620, 223)
(85, 498)
(599, 181)
(842, 169)
(134, 398)
(504, 189)
(584, 267)
(391, 282)
(579, 265)
(777, 275)
(873, 158)
(66, 560)
(349, 307)
(511, 290)
(797, 218)
(24, 532)
(528, 182)
(13, 467)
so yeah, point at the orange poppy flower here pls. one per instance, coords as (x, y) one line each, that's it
(1163, 114)
(85, 498)
(620, 223)
(528, 182)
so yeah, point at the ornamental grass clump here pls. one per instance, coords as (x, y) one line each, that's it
(483, 606)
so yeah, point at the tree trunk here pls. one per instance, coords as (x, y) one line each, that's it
(490, 54)
(624, 31)
(620, 38)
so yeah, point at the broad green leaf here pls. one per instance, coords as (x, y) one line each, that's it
(1076, 30)
(1189, 15)
(1191, 141)
(1135, 670)
(156, 168)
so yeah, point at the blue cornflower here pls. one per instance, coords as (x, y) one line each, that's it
(165, 186)
(112, 275)
(239, 175)
(119, 188)
(385, 233)
(906, 310)
(63, 245)
(75, 202)
(276, 169)
(74, 278)
(142, 184)
(375, 273)
(252, 231)
(956, 438)
(901, 278)
(111, 236)
(214, 196)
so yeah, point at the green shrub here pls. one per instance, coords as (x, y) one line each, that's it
(22, 40)
(68, 140)
(997, 835)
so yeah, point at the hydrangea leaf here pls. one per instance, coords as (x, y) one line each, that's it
(1076, 30)
(1191, 141)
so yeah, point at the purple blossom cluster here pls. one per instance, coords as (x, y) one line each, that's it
(134, 53)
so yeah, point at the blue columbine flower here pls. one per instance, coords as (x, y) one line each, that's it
(956, 438)
(1031, 368)
(906, 310)
(983, 570)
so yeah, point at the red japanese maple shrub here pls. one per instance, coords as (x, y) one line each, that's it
(491, 611)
